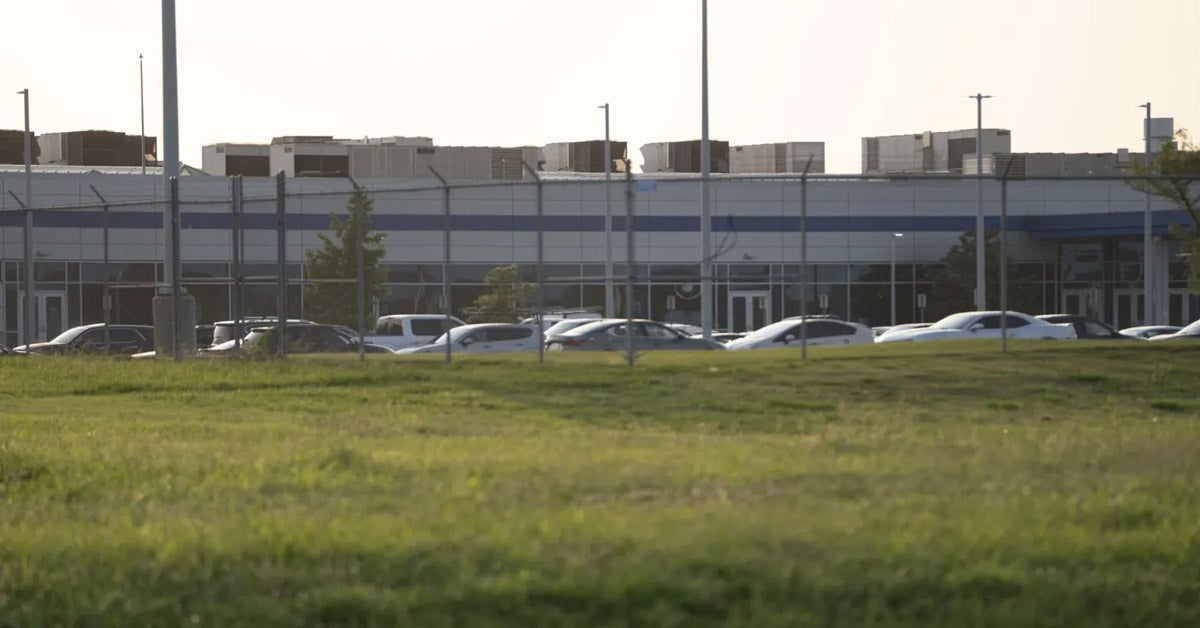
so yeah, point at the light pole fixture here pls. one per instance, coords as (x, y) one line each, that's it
(608, 260)
(706, 275)
(980, 236)
(30, 323)
(142, 98)
(895, 236)
(1148, 312)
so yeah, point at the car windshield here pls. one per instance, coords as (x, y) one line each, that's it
(954, 321)
(67, 336)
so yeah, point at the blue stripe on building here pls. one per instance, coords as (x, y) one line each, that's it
(1049, 226)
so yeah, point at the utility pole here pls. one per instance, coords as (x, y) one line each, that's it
(706, 274)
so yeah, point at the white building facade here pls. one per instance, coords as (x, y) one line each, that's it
(1076, 245)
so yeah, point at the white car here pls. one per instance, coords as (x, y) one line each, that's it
(1191, 332)
(1146, 332)
(819, 331)
(983, 325)
(483, 338)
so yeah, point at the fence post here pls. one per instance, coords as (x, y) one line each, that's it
(237, 237)
(1004, 258)
(445, 257)
(540, 304)
(281, 263)
(629, 264)
(804, 260)
(362, 281)
(176, 283)
(106, 297)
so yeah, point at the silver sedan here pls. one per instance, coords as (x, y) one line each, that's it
(610, 335)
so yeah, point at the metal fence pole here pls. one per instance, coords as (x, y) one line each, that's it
(445, 257)
(281, 262)
(358, 219)
(237, 238)
(804, 260)
(106, 297)
(539, 304)
(27, 235)
(1003, 263)
(175, 267)
(629, 264)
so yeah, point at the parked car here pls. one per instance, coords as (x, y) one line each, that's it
(1085, 326)
(983, 325)
(224, 331)
(483, 338)
(6, 352)
(1190, 332)
(609, 335)
(301, 338)
(816, 332)
(399, 331)
(902, 327)
(1146, 332)
(89, 339)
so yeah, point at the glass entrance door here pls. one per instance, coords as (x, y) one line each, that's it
(1082, 302)
(49, 315)
(1179, 308)
(749, 310)
(1128, 308)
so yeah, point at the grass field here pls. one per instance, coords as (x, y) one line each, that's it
(935, 484)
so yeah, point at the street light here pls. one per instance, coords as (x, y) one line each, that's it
(142, 96)
(1148, 314)
(706, 281)
(608, 261)
(895, 236)
(30, 323)
(980, 295)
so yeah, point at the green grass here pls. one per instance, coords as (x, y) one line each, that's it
(929, 484)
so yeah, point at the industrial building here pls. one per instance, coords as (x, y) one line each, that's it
(1075, 245)
(684, 156)
(585, 156)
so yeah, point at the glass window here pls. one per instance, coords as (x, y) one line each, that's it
(674, 273)
(827, 329)
(660, 332)
(49, 271)
(989, 322)
(1015, 321)
(831, 273)
(509, 333)
(429, 326)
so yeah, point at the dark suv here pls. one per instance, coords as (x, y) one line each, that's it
(89, 339)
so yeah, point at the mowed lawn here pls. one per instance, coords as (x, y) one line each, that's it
(934, 484)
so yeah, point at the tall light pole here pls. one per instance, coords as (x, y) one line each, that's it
(1148, 314)
(142, 97)
(895, 236)
(980, 236)
(706, 279)
(608, 261)
(30, 323)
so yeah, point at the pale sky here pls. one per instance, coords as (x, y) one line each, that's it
(1067, 74)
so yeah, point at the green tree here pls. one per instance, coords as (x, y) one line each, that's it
(953, 287)
(1180, 158)
(337, 258)
(504, 303)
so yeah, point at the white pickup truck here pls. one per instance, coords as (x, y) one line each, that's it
(399, 331)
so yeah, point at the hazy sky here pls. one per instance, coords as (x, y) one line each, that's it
(1067, 74)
